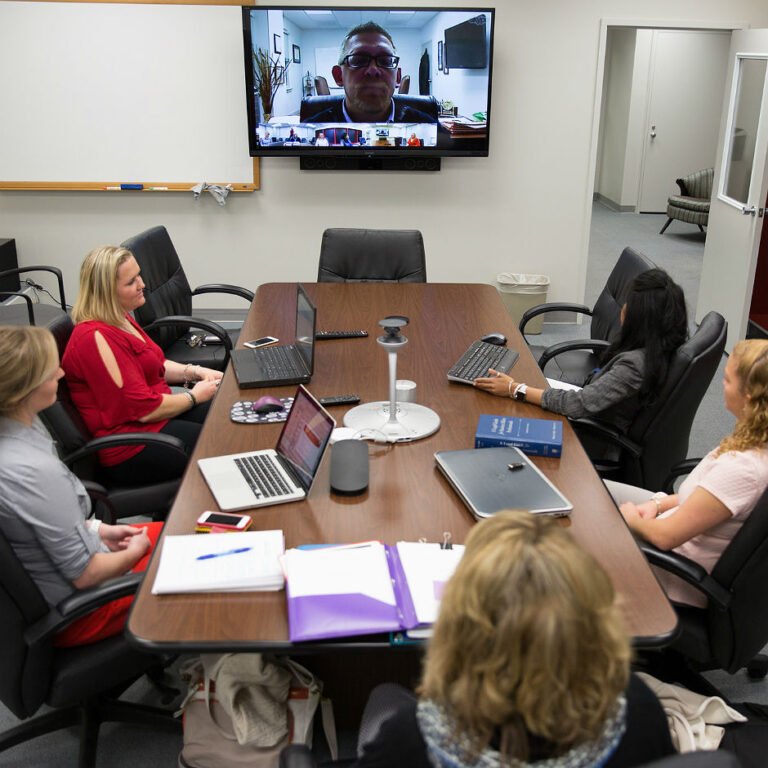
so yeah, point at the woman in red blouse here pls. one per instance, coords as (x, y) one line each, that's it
(118, 377)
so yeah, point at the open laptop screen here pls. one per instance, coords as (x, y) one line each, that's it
(305, 435)
(305, 328)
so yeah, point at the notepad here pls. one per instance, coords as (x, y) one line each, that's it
(363, 589)
(248, 561)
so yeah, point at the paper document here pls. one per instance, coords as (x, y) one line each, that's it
(248, 561)
(557, 384)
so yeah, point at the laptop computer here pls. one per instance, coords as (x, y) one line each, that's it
(479, 357)
(284, 363)
(274, 476)
(489, 480)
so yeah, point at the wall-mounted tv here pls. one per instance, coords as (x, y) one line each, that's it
(367, 84)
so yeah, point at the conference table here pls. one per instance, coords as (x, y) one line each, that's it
(408, 499)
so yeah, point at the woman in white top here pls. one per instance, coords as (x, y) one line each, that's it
(701, 519)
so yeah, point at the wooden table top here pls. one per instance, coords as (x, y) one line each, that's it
(408, 498)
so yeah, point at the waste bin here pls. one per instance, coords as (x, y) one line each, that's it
(521, 292)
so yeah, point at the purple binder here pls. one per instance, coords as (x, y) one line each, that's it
(326, 616)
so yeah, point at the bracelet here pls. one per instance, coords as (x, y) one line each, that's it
(510, 393)
(187, 380)
(192, 398)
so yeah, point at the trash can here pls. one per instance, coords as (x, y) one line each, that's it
(521, 292)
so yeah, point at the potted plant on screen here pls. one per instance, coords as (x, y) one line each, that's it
(268, 75)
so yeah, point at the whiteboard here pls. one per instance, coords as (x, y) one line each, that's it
(122, 93)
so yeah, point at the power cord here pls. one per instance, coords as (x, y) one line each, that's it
(37, 287)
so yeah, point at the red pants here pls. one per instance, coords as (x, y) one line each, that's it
(110, 619)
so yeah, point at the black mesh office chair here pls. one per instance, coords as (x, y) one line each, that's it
(167, 314)
(79, 451)
(372, 255)
(658, 438)
(27, 312)
(572, 361)
(81, 684)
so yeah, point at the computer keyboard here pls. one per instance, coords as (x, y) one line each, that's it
(277, 362)
(263, 477)
(479, 358)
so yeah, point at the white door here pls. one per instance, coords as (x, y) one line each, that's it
(687, 78)
(740, 187)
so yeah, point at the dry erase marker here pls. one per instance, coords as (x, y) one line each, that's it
(157, 189)
(114, 189)
(515, 466)
(131, 186)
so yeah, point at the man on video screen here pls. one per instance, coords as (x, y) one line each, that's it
(367, 70)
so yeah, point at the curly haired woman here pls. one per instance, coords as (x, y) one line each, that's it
(701, 519)
(528, 664)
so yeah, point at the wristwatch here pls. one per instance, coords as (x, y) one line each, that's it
(520, 392)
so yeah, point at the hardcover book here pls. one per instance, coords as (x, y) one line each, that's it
(536, 437)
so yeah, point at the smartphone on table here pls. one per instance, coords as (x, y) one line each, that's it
(262, 342)
(224, 520)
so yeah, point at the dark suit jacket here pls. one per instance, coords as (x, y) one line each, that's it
(408, 109)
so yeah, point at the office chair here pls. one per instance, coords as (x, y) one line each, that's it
(79, 451)
(692, 204)
(82, 684)
(321, 86)
(405, 84)
(32, 313)
(166, 315)
(657, 440)
(372, 255)
(730, 632)
(573, 361)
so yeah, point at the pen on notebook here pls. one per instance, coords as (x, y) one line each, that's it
(235, 551)
(515, 465)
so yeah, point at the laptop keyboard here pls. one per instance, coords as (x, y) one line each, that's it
(277, 363)
(479, 358)
(262, 476)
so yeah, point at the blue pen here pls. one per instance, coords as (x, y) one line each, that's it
(224, 554)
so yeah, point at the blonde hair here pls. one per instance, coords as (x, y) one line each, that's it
(98, 286)
(529, 639)
(29, 356)
(751, 430)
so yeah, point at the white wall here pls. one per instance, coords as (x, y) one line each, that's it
(525, 208)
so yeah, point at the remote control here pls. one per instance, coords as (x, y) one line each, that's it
(320, 335)
(339, 400)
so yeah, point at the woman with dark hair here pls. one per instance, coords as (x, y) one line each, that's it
(529, 664)
(653, 325)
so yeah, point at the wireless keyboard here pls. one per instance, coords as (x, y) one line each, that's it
(321, 335)
(479, 358)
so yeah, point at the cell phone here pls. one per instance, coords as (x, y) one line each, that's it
(262, 342)
(224, 520)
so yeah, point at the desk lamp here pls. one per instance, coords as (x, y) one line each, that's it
(398, 422)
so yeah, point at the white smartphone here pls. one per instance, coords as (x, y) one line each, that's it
(224, 520)
(262, 342)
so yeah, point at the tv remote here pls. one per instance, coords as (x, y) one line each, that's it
(339, 400)
(320, 335)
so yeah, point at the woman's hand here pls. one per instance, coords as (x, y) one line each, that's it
(645, 511)
(497, 383)
(207, 374)
(205, 390)
(117, 537)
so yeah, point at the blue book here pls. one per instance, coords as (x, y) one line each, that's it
(536, 437)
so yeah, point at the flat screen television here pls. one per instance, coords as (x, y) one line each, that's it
(410, 85)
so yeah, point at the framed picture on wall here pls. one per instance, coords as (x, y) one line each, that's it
(277, 43)
(440, 55)
(296, 54)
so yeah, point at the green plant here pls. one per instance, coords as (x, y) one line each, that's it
(268, 74)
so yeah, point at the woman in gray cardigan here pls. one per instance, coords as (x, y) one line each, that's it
(653, 325)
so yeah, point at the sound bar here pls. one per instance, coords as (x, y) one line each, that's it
(347, 163)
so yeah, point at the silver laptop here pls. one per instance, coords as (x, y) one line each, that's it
(285, 363)
(279, 475)
(491, 479)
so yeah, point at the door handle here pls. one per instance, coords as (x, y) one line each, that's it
(751, 211)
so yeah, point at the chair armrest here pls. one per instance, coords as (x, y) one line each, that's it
(129, 438)
(234, 290)
(688, 570)
(8, 294)
(570, 346)
(684, 467)
(40, 268)
(79, 604)
(297, 756)
(608, 434)
(195, 322)
(541, 309)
